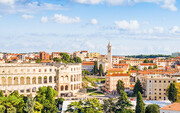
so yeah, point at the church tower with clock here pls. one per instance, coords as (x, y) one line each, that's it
(109, 55)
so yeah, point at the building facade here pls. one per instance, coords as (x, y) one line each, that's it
(28, 78)
(44, 56)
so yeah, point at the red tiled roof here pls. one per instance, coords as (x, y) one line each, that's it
(87, 63)
(147, 64)
(172, 107)
(116, 69)
(122, 74)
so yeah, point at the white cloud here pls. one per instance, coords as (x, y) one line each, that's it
(7, 2)
(125, 25)
(94, 21)
(44, 19)
(58, 18)
(159, 29)
(27, 16)
(175, 29)
(168, 4)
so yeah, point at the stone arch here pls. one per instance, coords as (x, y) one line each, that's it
(62, 88)
(45, 79)
(77, 86)
(15, 80)
(66, 77)
(66, 87)
(39, 80)
(74, 77)
(27, 80)
(34, 89)
(54, 79)
(9, 80)
(50, 79)
(74, 86)
(62, 78)
(71, 87)
(71, 78)
(22, 80)
(3, 80)
(34, 80)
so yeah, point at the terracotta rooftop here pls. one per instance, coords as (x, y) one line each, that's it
(87, 63)
(147, 64)
(122, 74)
(172, 107)
(116, 69)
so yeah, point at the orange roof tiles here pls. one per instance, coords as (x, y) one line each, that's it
(121, 64)
(122, 74)
(116, 69)
(147, 64)
(172, 107)
(87, 63)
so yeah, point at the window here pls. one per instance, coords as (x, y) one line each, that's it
(159, 89)
(155, 81)
(164, 89)
(150, 81)
(169, 81)
(159, 93)
(159, 81)
(164, 81)
(159, 97)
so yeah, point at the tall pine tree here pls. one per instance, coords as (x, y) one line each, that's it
(140, 106)
(172, 93)
(138, 87)
(95, 69)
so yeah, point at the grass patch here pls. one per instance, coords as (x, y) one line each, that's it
(91, 90)
(96, 93)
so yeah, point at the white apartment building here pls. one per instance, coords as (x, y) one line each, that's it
(28, 78)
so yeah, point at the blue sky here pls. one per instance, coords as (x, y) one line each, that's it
(132, 26)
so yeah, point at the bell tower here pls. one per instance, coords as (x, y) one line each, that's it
(109, 55)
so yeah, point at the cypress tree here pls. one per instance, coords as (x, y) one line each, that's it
(95, 69)
(120, 86)
(172, 93)
(138, 87)
(49, 95)
(140, 106)
(100, 70)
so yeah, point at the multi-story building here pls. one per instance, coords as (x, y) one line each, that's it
(111, 81)
(28, 78)
(44, 56)
(81, 54)
(176, 54)
(88, 66)
(133, 62)
(157, 85)
(56, 55)
(1, 55)
(116, 59)
(93, 55)
(142, 66)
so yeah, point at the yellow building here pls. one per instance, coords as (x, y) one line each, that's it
(92, 55)
(116, 71)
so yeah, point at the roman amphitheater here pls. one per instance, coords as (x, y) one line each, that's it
(28, 78)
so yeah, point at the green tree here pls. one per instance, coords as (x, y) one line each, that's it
(172, 93)
(46, 97)
(95, 69)
(120, 86)
(123, 104)
(38, 107)
(2, 109)
(109, 106)
(1, 93)
(77, 60)
(11, 110)
(138, 87)
(85, 72)
(100, 70)
(56, 59)
(145, 68)
(140, 106)
(75, 107)
(59, 101)
(65, 57)
(155, 67)
(152, 108)
(29, 107)
(150, 67)
(38, 61)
